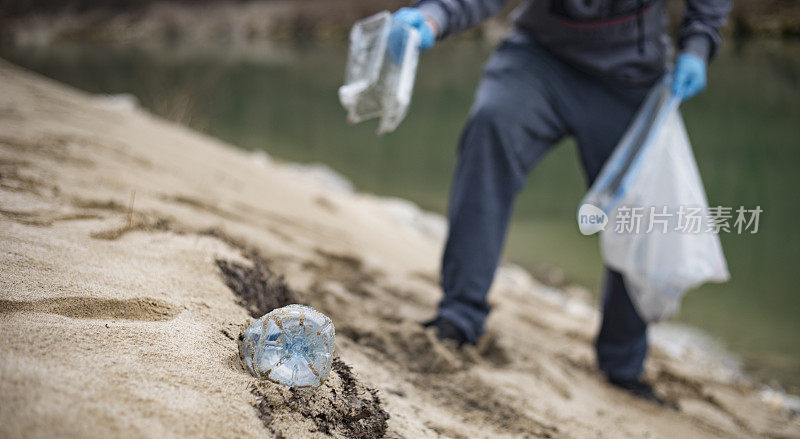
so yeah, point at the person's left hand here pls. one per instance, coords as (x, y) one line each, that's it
(690, 76)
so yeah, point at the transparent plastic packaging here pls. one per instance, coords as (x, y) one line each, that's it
(381, 68)
(292, 346)
(653, 168)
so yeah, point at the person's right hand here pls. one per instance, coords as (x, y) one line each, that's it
(414, 18)
(411, 17)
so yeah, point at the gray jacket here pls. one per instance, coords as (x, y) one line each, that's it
(618, 40)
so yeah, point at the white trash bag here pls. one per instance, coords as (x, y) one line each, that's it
(652, 175)
(380, 76)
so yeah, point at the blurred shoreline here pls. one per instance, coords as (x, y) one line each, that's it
(114, 219)
(234, 94)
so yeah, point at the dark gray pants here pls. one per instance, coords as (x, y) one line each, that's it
(526, 102)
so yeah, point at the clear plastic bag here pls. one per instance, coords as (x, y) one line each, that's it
(653, 169)
(381, 67)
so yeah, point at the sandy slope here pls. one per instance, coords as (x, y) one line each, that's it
(117, 321)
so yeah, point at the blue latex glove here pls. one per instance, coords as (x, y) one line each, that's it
(411, 17)
(690, 76)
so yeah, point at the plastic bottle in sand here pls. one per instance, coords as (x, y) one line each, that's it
(292, 346)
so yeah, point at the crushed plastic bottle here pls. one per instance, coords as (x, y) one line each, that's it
(380, 76)
(292, 346)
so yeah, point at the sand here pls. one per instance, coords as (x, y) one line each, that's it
(134, 251)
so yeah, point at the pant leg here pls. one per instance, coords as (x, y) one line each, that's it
(621, 345)
(511, 125)
(600, 116)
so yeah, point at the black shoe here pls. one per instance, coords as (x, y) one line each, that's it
(447, 330)
(641, 389)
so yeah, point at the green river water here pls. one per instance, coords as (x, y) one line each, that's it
(745, 130)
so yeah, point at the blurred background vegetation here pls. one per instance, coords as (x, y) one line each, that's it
(227, 21)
